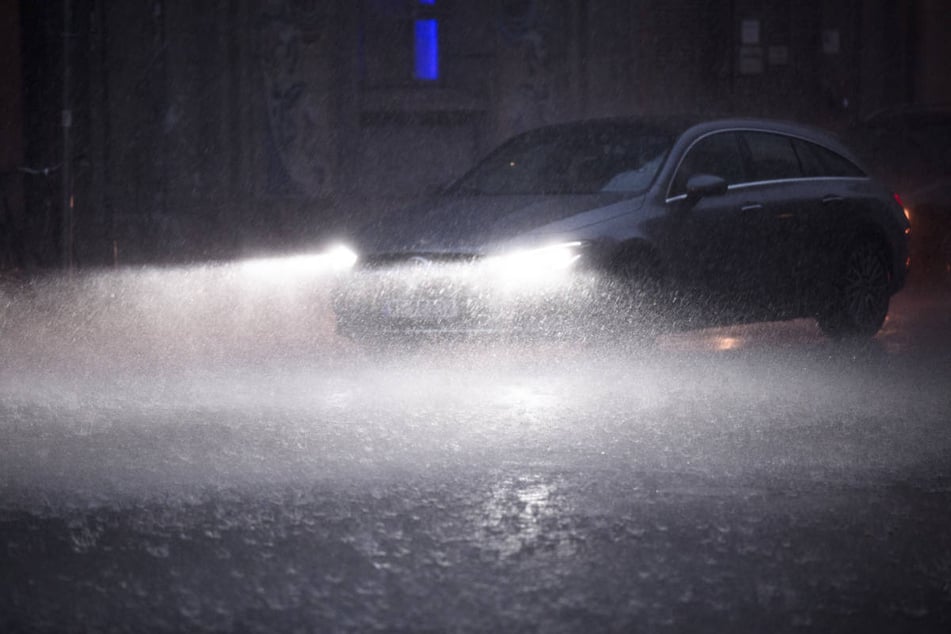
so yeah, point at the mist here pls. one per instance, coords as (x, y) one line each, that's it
(132, 384)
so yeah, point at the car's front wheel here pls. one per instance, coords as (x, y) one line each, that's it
(861, 291)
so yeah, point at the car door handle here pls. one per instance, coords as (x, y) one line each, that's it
(751, 207)
(831, 198)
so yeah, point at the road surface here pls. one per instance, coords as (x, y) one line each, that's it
(178, 453)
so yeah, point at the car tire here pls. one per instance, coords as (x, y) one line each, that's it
(860, 294)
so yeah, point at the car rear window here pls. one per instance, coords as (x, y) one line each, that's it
(818, 161)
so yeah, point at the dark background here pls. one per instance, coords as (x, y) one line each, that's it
(204, 130)
(194, 449)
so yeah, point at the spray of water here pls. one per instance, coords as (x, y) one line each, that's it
(162, 381)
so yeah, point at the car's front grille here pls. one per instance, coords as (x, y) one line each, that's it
(415, 259)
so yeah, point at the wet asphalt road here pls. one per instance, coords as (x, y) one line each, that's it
(156, 474)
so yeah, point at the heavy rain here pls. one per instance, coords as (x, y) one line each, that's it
(211, 421)
(195, 449)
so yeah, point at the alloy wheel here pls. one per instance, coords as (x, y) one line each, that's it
(865, 289)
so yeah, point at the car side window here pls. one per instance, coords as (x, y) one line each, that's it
(808, 158)
(819, 161)
(772, 156)
(835, 165)
(717, 155)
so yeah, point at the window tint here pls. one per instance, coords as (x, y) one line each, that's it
(818, 161)
(583, 162)
(772, 156)
(717, 154)
(808, 158)
(612, 161)
(835, 165)
(525, 167)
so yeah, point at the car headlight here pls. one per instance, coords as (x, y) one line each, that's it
(334, 260)
(554, 257)
(341, 257)
(536, 264)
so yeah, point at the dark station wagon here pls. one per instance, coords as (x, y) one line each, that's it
(634, 226)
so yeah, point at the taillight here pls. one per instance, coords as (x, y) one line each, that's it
(904, 209)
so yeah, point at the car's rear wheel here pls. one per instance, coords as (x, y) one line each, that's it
(860, 293)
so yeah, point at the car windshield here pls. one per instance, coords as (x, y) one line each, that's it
(580, 163)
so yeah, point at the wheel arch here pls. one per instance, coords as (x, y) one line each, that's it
(633, 255)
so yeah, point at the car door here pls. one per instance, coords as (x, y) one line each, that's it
(776, 217)
(825, 224)
(706, 240)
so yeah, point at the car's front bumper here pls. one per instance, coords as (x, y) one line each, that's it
(463, 299)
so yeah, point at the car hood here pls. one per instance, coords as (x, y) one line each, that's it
(474, 224)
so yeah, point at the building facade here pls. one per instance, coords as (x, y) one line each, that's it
(201, 130)
(11, 136)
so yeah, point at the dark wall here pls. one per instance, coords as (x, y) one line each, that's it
(41, 50)
(932, 50)
(211, 129)
(11, 139)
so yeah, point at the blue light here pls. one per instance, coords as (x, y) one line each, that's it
(429, 2)
(427, 49)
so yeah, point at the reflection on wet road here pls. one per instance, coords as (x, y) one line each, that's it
(209, 460)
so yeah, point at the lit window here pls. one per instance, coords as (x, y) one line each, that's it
(427, 48)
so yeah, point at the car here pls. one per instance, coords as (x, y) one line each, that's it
(909, 148)
(633, 226)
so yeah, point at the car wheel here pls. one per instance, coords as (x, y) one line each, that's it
(860, 295)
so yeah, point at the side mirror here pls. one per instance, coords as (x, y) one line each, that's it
(702, 185)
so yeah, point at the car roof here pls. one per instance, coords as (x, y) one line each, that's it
(791, 128)
(697, 126)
